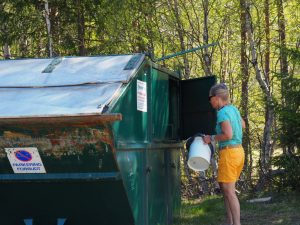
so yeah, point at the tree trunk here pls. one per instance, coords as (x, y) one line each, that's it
(206, 55)
(23, 46)
(6, 51)
(245, 89)
(80, 29)
(267, 32)
(281, 25)
(180, 31)
(266, 148)
(283, 61)
(161, 36)
(48, 24)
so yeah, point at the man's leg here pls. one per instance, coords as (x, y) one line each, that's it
(231, 202)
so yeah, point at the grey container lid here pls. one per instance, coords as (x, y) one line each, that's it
(72, 85)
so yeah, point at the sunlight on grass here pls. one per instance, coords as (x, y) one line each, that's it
(283, 210)
(204, 212)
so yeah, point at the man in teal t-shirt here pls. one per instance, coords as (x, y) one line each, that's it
(230, 113)
(231, 153)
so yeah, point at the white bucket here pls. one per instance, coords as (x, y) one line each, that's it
(199, 155)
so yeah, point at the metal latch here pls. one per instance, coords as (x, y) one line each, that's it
(52, 65)
(133, 62)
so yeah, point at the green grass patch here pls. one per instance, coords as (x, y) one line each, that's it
(283, 209)
(207, 211)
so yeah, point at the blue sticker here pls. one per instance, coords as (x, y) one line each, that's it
(23, 155)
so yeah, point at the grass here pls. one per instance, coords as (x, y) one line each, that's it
(283, 209)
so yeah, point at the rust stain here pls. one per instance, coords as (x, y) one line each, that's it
(10, 134)
(61, 120)
(60, 142)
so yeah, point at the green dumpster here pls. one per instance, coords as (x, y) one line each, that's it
(95, 140)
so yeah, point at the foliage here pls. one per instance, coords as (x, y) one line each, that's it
(162, 27)
(211, 211)
(288, 176)
(288, 109)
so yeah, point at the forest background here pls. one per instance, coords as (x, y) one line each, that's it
(257, 55)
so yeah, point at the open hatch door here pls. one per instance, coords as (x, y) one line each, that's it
(197, 115)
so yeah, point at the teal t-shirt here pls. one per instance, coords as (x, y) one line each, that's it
(230, 113)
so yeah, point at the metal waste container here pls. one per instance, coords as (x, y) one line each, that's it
(95, 140)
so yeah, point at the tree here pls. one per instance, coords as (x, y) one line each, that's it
(266, 147)
(245, 89)
(206, 56)
(174, 7)
(48, 24)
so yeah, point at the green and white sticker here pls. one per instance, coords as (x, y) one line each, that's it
(141, 96)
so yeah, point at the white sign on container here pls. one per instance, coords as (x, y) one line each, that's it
(25, 160)
(141, 96)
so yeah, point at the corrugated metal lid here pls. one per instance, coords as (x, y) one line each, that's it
(69, 71)
(79, 85)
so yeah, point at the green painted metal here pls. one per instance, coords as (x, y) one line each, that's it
(157, 176)
(186, 51)
(132, 167)
(83, 182)
(62, 176)
(150, 142)
(80, 202)
(63, 149)
(100, 169)
(148, 146)
(196, 112)
(160, 105)
(133, 128)
(174, 182)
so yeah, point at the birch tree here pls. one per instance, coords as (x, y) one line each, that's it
(206, 55)
(80, 28)
(266, 145)
(48, 25)
(174, 7)
(6, 51)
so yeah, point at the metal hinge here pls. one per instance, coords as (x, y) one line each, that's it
(52, 65)
(133, 62)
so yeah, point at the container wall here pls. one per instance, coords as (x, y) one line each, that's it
(174, 182)
(160, 106)
(165, 106)
(133, 128)
(163, 184)
(132, 167)
(148, 147)
(131, 139)
(62, 149)
(82, 183)
(164, 156)
(157, 187)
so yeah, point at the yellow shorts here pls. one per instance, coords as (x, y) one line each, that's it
(231, 162)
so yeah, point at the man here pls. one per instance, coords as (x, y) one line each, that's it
(231, 153)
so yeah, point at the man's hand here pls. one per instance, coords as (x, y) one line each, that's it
(207, 139)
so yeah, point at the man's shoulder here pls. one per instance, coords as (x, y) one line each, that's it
(229, 110)
(232, 108)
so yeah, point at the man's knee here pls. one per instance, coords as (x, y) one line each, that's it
(228, 189)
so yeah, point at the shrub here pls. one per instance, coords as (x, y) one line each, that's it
(288, 177)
